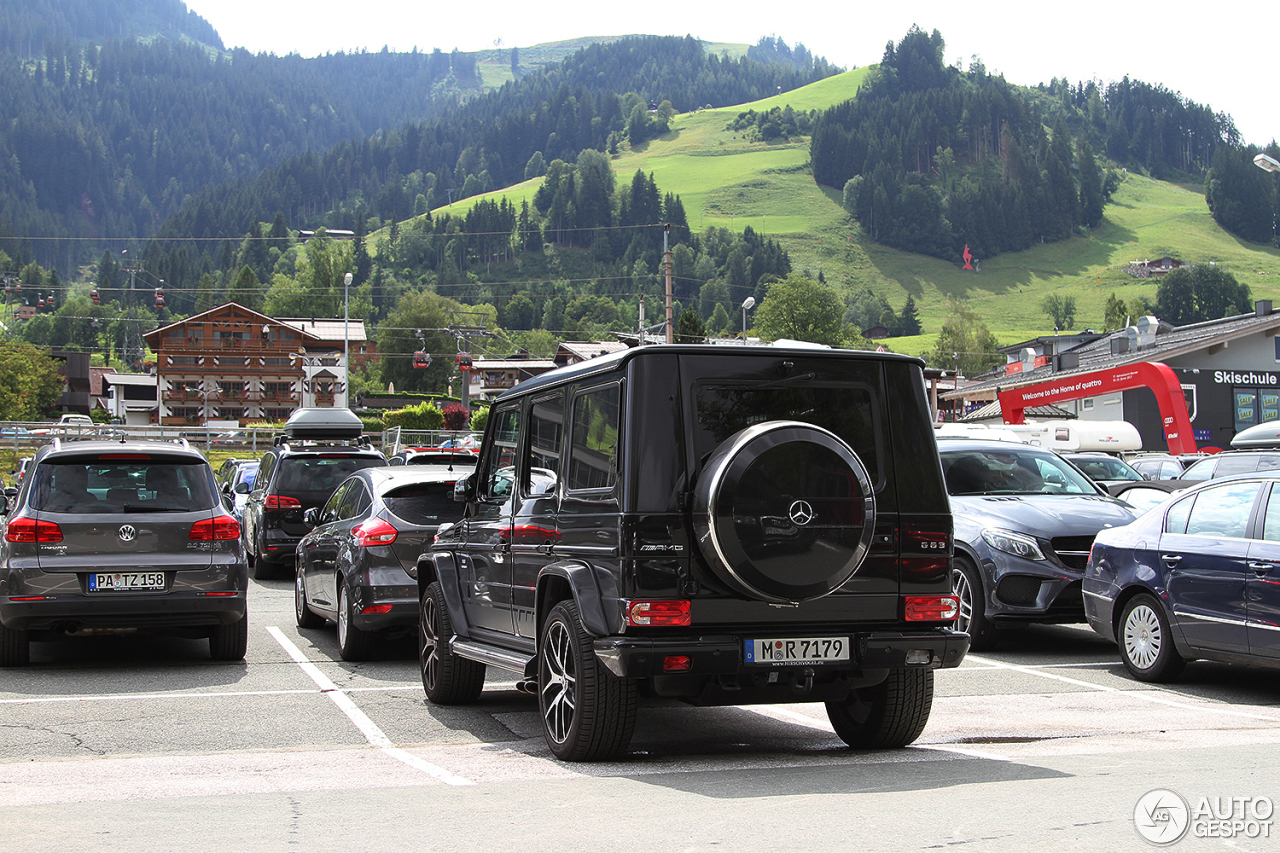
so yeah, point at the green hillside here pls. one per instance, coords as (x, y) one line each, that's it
(728, 181)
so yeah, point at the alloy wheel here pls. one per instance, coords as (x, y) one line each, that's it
(559, 682)
(429, 636)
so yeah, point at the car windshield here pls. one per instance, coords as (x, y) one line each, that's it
(1011, 471)
(121, 482)
(1105, 468)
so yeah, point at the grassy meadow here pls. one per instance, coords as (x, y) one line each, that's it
(726, 180)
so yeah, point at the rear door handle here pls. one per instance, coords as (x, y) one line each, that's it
(1171, 558)
(1262, 568)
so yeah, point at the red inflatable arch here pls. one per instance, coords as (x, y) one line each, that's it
(1157, 376)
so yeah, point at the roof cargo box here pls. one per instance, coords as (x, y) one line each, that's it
(323, 423)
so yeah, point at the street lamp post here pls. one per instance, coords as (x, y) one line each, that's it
(346, 340)
(747, 304)
(1268, 163)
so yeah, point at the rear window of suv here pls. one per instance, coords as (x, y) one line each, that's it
(121, 482)
(321, 472)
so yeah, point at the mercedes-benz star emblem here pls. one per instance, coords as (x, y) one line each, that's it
(128, 532)
(800, 513)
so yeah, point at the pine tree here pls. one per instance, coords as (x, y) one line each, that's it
(908, 319)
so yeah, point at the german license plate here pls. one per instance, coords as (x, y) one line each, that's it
(798, 650)
(125, 581)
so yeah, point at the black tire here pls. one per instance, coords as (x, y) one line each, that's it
(1146, 642)
(888, 715)
(302, 614)
(15, 647)
(587, 713)
(230, 642)
(353, 643)
(263, 569)
(446, 678)
(784, 512)
(966, 584)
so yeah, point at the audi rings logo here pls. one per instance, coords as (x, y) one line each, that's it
(127, 533)
(800, 513)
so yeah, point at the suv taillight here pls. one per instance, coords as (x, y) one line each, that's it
(29, 530)
(375, 531)
(658, 613)
(280, 502)
(930, 608)
(210, 529)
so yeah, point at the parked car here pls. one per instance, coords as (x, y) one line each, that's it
(231, 438)
(1164, 466)
(1104, 469)
(467, 442)
(1024, 522)
(227, 467)
(762, 525)
(318, 450)
(1229, 463)
(236, 489)
(1196, 577)
(1144, 495)
(19, 471)
(443, 457)
(356, 567)
(110, 535)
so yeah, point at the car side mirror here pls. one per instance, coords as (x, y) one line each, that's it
(309, 517)
(241, 488)
(464, 491)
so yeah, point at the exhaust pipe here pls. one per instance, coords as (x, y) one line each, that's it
(528, 686)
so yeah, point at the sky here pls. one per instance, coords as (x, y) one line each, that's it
(1215, 56)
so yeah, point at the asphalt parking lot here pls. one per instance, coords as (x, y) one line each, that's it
(1046, 740)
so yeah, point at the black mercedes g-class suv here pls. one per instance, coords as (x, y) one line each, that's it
(724, 526)
(318, 449)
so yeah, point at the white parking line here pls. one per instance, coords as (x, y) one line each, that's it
(1147, 695)
(367, 727)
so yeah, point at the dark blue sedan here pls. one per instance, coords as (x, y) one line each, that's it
(1196, 577)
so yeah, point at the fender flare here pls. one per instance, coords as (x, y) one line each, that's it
(591, 588)
(445, 568)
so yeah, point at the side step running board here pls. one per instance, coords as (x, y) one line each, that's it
(490, 655)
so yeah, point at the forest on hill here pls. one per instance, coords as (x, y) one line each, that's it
(29, 27)
(932, 159)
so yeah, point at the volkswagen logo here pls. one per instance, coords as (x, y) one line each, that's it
(128, 533)
(800, 513)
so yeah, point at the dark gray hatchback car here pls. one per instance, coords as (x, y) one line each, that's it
(109, 535)
(357, 566)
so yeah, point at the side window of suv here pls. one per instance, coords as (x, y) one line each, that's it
(500, 461)
(546, 429)
(593, 451)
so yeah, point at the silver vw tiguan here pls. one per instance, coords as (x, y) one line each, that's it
(120, 535)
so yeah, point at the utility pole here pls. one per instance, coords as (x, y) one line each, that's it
(666, 259)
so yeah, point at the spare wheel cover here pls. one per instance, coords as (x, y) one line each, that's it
(784, 511)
